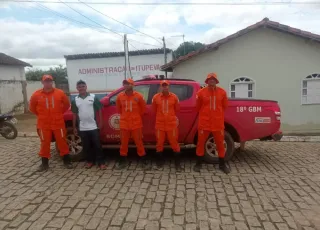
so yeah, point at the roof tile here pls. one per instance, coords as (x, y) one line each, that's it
(8, 60)
(114, 54)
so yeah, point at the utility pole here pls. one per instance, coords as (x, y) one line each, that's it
(129, 65)
(184, 45)
(125, 56)
(164, 52)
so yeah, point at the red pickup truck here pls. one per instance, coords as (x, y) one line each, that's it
(245, 120)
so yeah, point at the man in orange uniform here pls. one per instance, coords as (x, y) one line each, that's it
(212, 101)
(49, 104)
(166, 105)
(131, 106)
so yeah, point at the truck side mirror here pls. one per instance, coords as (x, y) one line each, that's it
(105, 101)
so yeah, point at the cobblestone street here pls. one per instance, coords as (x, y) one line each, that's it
(273, 185)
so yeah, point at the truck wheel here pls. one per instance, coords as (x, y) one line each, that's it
(211, 154)
(75, 146)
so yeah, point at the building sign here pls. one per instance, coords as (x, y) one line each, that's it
(118, 69)
(107, 74)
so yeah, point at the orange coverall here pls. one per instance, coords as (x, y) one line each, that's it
(49, 108)
(131, 108)
(166, 107)
(211, 104)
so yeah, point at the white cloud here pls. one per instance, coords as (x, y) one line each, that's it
(163, 16)
(45, 43)
(52, 40)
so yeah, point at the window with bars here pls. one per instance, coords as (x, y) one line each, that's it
(310, 93)
(242, 87)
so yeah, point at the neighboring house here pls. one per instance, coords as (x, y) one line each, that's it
(13, 85)
(267, 60)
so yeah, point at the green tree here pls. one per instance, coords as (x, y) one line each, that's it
(187, 47)
(58, 73)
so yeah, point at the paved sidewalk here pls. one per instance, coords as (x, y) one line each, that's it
(273, 185)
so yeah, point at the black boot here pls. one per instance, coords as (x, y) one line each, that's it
(67, 161)
(159, 160)
(145, 163)
(44, 165)
(223, 166)
(123, 163)
(177, 162)
(198, 165)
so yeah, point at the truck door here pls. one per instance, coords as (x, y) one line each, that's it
(112, 117)
(187, 114)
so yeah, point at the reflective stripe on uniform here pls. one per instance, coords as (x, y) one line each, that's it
(52, 101)
(41, 134)
(167, 106)
(47, 103)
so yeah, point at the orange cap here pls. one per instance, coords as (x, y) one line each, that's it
(164, 82)
(47, 77)
(129, 80)
(212, 76)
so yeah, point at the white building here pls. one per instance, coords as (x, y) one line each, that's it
(13, 85)
(104, 72)
(267, 60)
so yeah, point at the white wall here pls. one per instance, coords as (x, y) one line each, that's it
(107, 74)
(276, 61)
(11, 94)
(32, 86)
(15, 73)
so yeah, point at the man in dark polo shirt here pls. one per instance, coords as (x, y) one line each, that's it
(85, 107)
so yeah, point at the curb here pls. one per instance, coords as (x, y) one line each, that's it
(300, 139)
(283, 139)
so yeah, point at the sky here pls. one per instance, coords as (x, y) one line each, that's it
(41, 33)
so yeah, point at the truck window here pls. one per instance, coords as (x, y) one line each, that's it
(143, 89)
(183, 92)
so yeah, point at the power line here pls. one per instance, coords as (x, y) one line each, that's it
(134, 48)
(85, 24)
(63, 16)
(144, 43)
(92, 20)
(118, 21)
(81, 23)
(178, 3)
(88, 25)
